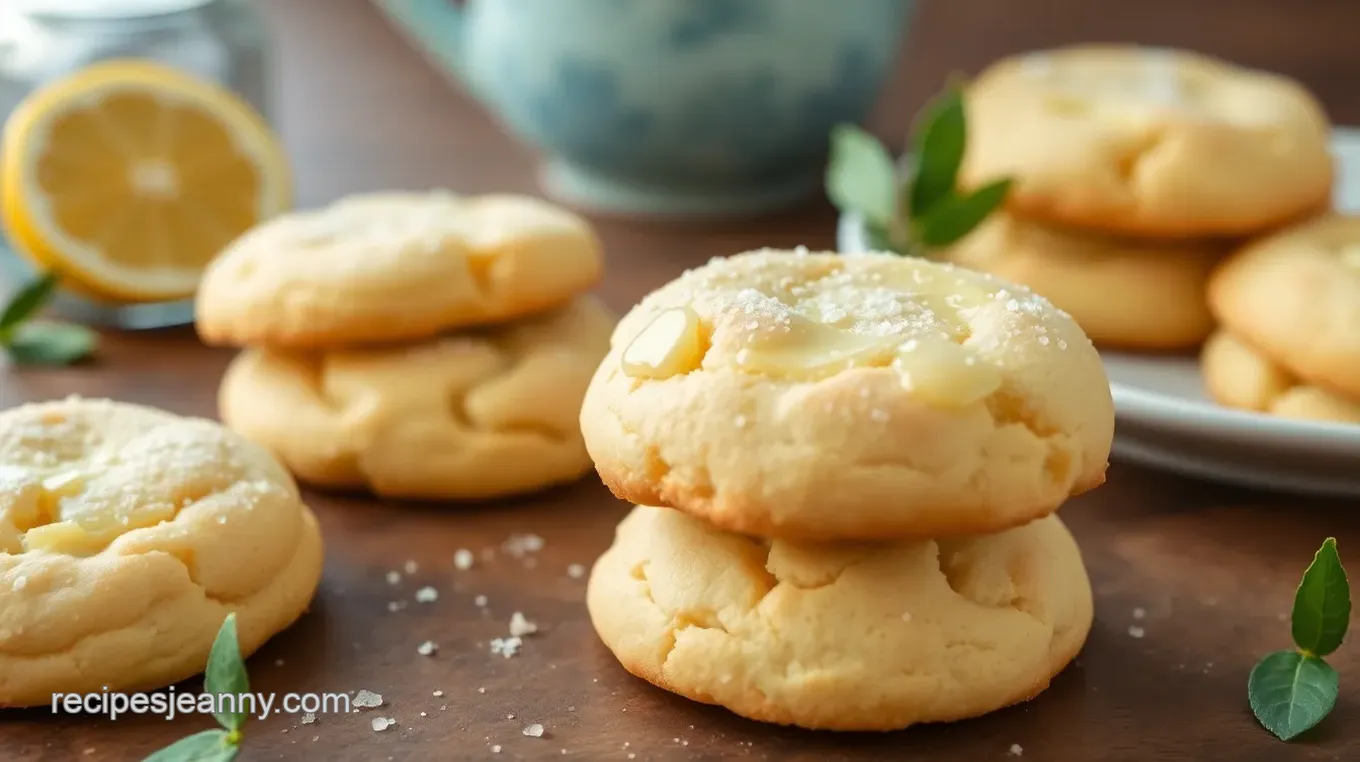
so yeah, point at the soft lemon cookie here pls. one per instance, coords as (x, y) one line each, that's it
(1295, 296)
(1239, 376)
(394, 267)
(1124, 292)
(472, 415)
(127, 535)
(854, 396)
(1148, 141)
(841, 637)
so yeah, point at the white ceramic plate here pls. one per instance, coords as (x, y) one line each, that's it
(1166, 420)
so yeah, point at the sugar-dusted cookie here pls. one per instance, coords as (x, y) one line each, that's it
(470, 415)
(394, 267)
(1124, 292)
(1148, 141)
(858, 396)
(127, 535)
(841, 637)
(1239, 376)
(1295, 296)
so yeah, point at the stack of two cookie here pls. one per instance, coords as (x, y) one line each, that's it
(1136, 170)
(846, 469)
(422, 346)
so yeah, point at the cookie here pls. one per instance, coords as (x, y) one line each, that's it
(1124, 292)
(791, 394)
(472, 415)
(835, 637)
(1148, 142)
(1238, 376)
(127, 535)
(394, 267)
(1295, 296)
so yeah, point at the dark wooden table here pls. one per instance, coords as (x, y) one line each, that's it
(1213, 568)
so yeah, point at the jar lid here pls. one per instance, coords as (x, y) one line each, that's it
(105, 10)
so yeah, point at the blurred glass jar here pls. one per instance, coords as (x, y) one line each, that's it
(221, 41)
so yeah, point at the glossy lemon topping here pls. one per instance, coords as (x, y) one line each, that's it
(808, 317)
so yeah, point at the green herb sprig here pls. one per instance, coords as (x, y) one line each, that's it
(226, 673)
(1291, 691)
(41, 342)
(926, 210)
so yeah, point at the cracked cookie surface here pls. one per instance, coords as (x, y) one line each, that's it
(841, 637)
(1148, 141)
(1124, 292)
(127, 534)
(471, 415)
(830, 396)
(393, 267)
(1295, 297)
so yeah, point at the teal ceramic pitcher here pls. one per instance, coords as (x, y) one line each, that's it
(667, 106)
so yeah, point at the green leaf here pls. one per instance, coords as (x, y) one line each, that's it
(226, 672)
(1291, 692)
(954, 217)
(208, 746)
(939, 141)
(1322, 605)
(48, 343)
(861, 176)
(27, 301)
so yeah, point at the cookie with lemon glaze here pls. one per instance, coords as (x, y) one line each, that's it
(872, 636)
(792, 394)
(392, 267)
(127, 535)
(1295, 296)
(1148, 142)
(469, 415)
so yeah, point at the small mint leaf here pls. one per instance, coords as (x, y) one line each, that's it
(1322, 605)
(861, 176)
(208, 746)
(49, 343)
(226, 673)
(939, 141)
(1291, 692)
(27, 301)
(955, 216)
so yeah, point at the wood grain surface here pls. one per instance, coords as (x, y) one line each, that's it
(1212, 569)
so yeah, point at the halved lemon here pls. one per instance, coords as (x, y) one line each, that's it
(127, 177)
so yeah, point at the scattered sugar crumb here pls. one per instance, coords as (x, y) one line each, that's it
(576, 571)
(395, 606)
(1135, 631)
(1016, 750)
(308, 718)
(506, 647)
(365, 699)
(427, 648)
(426, 594)
(463, 559)
(510, 716)
(519, 545)
(410, 567)
(437, 694)
(394, 578)
(479, 601)
(534, 730)
(1139, 612)
(496, 748)
(481, 690)
(382, 723)
(520, 626)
